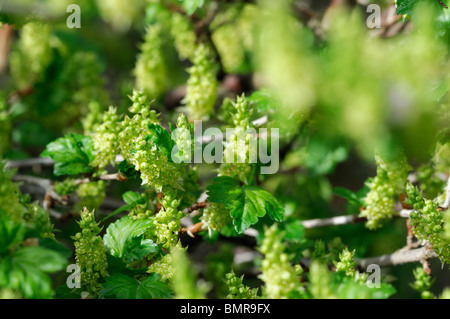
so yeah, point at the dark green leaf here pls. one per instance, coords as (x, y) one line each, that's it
(127, 169)
(125, 287)
(10, 233)
(218, 190)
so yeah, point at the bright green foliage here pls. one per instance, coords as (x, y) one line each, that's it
(192, 5)
(389, 182)
(246, 204)
(337, 91)
(202, 85)
(280, 277)
(72, 154)
(427, 223)
(125, 287)
(150, 70)
(237, 290)
(125, 239)
(24, 269)
(422, 283)
(90, 253)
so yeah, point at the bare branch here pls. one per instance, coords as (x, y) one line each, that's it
(401, 256)
(29, 162)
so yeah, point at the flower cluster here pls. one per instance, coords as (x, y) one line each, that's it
(201, 92)
(390, 181)
(237, 290)
(422, 283)
(167, 221)
(215, 216)
(9, 195)
(346, 263)
(150, 70)
(137, 147)
(33, 53)
(427, 223)
(320, 281)
(163, 267)
(106, 141)
(229, 45)
(91, 194)
(183, 35)
(280, 277)
(90, 253)
(241, 144)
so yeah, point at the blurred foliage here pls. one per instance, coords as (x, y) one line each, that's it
(360, 114)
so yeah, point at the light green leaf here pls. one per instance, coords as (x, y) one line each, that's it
(26, 270)
(124, 239)
(71, 153)
(246, 204)
(133, 198)
(192, 5)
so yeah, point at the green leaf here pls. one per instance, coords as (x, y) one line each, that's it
(294, 230)
(264, 100)
(127, 169)
(55, 246)
(348, 288)
(192, 5)
(246, 204)
(348, 195)
(71, 153)
(218, 190)
(26, 270)
(125, 287)
(124, 239)
(162, 139)
(133, 198)
(10, 233)
(406, 6)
